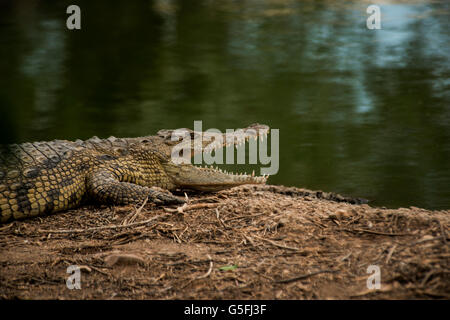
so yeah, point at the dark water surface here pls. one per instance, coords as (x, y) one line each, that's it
(360, 112)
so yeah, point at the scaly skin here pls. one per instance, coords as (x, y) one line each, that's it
(46, 177)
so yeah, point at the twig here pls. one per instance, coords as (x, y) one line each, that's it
(390, 253)
(182, 208)
(249, 239)
(305, 276)
(427, 276)
(99, 270)
(243, 217)
(346, 256)
(203, 200)
(276, 244)
(209, 270)
(105, 227)
(263, 275)
(376, 232)
(433, 294)
(203, 276)
(202, 205)
(425, 240)
(189, 207)
(220, 220)
(6, 227)
(135, 214)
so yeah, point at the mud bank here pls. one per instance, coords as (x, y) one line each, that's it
(250, 242)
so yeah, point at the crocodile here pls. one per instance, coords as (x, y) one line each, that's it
(42, 178)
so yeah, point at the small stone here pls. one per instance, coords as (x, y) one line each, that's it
(341, 214)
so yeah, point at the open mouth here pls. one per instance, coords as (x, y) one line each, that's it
(239, 139)
(204, 147)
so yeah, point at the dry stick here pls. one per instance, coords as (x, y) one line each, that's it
(203, 276)
(276, 244)
(207, 199)
(376, 232)
(427, 276)
(243, 217)
(106, 227)
(263, 275)
(176, 236)
(305, 276)
(6, 227)
(424, 240)
(209, 270)
(187, 207)
(135, 214)
(99, 270)
(390, 253)
(432, 294)
(220, 220)
(249, 239)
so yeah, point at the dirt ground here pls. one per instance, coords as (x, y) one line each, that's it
(250, 242)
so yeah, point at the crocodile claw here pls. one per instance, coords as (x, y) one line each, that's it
(164, 197)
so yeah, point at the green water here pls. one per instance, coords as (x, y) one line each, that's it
(360, 112)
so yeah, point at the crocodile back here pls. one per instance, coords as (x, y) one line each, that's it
(45, 177)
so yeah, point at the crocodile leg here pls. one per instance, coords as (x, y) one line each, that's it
(106, 187)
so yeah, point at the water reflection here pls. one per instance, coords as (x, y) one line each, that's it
(361, 112)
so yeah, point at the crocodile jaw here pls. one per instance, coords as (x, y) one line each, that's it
(208, 179)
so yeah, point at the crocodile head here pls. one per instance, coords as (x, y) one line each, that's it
(186, 175)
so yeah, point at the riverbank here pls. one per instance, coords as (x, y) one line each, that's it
(250, 242)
